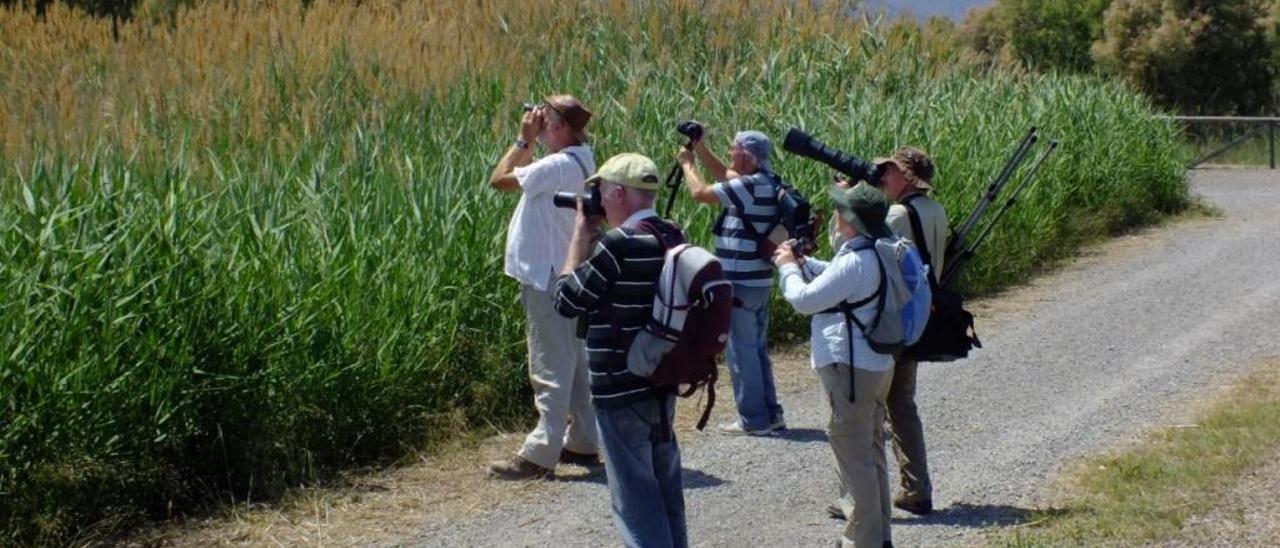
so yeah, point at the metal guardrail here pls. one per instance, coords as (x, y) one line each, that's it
(1264, 123)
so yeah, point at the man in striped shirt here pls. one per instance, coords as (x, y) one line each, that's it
(747, 190)
(612, 281)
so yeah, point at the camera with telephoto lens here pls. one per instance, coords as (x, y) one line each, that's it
(802, 144)
(691, 129)
(591, 205)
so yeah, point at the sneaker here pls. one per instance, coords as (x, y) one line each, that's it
(917, 507)
(581, 459)
(735, 429)
(518, 469)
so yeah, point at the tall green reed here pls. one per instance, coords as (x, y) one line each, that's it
(217, 318)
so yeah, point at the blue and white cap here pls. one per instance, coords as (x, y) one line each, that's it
(758, 144)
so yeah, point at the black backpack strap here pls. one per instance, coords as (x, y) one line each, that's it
(917, 235)
(850, 319)
(578, 161)
(772, 179)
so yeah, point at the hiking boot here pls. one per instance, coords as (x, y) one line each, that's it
(917, 507)
(518, 469)
(735, 429)
(834, 512)
(581, 459)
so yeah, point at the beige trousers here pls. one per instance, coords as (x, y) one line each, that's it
(856, 434)
(561, 383)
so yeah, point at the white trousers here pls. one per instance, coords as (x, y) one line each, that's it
(561, 383)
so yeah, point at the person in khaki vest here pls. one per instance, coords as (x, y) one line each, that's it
(907, 179)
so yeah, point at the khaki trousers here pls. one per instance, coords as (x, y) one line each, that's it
(561, 383)
(908, 433)
(856, 434)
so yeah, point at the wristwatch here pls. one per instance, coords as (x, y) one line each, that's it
(522, 144)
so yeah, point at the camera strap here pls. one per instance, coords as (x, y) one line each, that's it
(581, 165)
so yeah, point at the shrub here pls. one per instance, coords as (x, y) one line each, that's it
(1198, 56)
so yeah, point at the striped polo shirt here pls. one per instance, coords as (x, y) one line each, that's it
(750, 198)
(614, 289)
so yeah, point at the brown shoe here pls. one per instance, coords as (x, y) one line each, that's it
(917, 507)
(518, 469)
(581, 459)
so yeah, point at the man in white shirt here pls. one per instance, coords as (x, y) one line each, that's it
(537, 241)
(855, 378)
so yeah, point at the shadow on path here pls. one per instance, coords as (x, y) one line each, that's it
(980, 515)
(803, 435)
(693, 479)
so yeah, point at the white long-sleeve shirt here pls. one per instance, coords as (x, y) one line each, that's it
(850, 277)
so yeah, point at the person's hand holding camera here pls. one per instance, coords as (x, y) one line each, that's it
(685, 157)
(588, 225)
(585, 229)
(785, 254)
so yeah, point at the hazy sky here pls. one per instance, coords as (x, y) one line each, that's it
(923, 8)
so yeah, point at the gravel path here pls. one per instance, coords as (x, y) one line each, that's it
(1079, 362)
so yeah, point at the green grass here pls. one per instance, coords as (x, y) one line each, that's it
(1146, 494)
(207, 319)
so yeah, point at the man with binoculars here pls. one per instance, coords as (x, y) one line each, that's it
(537, 242)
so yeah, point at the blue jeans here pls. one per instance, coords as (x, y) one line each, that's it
(642, 461)
(747, 355)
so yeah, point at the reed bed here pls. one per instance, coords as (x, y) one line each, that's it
(245, 244)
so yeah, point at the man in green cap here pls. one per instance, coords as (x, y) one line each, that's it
(612, 280)
(855, 378)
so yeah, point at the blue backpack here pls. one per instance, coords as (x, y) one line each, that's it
(902, 300)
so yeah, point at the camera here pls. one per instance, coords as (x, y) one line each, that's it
(691, 129)
(802, 144)
(591, 204)
(529, 106)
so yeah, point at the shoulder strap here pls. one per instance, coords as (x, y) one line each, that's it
(847, 309)
(917, 235)
(578, 161)
(669, 236)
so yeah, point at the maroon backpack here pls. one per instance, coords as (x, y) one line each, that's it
(690, 323)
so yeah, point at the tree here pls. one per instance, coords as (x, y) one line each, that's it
(1038, 34)
(1200, 56)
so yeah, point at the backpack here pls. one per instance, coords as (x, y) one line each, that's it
(902, 299)
(950, 333)
(690, 323)
(795, 219)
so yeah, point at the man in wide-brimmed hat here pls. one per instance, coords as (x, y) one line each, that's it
(907, 178)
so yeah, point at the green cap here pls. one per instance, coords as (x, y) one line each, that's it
(628, 169)
(864, 207)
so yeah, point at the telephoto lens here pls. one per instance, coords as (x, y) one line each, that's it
(802, 144)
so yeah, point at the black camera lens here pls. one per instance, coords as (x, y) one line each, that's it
(591, 202)
(691, 129)
(529, 106)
